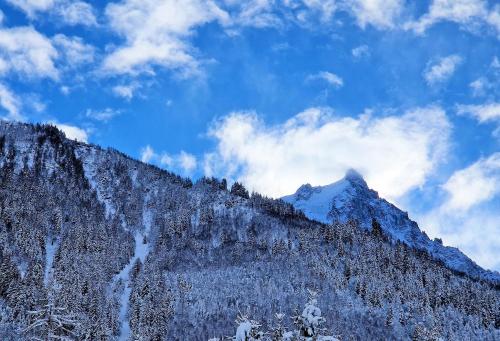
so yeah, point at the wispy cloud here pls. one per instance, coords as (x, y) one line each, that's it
(381, 14)
(103, 115)
(66, 11)
(125, 91)
(488, 112)
(183, 161)
(360, 51)
(442, 70)
(328, 77)
(469, 14)
(74, 50)
(479, 86)
(10, 103)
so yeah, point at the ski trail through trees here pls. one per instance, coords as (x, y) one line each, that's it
(51, 246)
(140, 252)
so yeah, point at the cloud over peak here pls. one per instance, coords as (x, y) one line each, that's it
(396, 153)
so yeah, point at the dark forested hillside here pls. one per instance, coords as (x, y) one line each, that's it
(97, 246)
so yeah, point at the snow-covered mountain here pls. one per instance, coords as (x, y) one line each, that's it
(351, 199)
(106, 247)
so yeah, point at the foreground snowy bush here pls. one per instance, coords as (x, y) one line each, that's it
(307, 326)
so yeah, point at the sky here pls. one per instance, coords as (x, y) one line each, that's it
(276, 94)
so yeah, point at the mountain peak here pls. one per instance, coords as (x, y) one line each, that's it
(353, 176)
(350, 199)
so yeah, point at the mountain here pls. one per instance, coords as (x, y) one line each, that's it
(95, 245)
(351, 199)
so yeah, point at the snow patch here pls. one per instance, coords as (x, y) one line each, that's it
(316, 203)
(141, 251)
(51, 246)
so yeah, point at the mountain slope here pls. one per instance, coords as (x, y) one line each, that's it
(127, 251)
(351, 199)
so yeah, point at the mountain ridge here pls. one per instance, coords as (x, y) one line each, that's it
(130, 251)
(351, 199)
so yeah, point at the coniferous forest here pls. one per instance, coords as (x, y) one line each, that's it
(95, 245)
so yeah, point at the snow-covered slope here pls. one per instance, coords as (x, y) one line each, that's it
(351, 199)
(129, 251)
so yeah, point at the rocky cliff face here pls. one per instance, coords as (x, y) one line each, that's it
(351, 199)
(122, 250)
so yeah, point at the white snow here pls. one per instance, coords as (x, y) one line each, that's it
(311, 317)
(140, 252)
(51, 246)
(317, 205)
(243, 331)
(88, 155)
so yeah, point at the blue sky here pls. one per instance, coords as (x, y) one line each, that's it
(279, 93)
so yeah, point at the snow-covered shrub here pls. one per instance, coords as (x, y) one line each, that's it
(309, 322)
(248, 330)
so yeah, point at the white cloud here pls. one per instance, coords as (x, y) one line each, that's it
(26, 51)
(31, 7)
(326, 8)
(74, 50)
(183, 161)
(493, 19)
(495, 63)
(483, 113)
(479, 86)
(147, 154)
(65, 90)
(125, 91)
(473, 185)
(157, 33)
(77, 13)
(255, 13)
(470, 212)
(102, 115)
(70, 12)
(328, 77)
(360, 51)
(72, 132)
(187, 161)
(469, 14)
(381, 14)
(395, 153)
(11, 103)
(442, 70)
(166, 160)
(468, 232)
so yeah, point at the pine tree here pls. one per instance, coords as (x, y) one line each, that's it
(239, 190)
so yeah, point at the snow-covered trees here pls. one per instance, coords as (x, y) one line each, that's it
(51, 323)
(247, 330)
(310, 321)
(239, 190)
(210, 252)
(307, 326)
